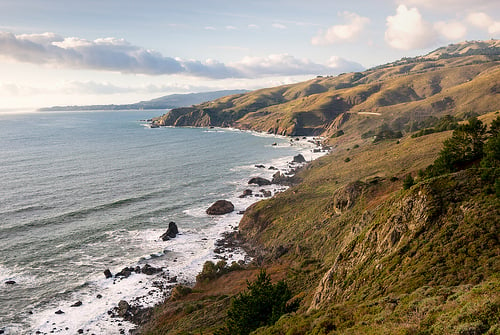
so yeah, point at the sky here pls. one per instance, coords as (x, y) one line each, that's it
(66, 52)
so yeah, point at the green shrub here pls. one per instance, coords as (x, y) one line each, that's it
(262, 305)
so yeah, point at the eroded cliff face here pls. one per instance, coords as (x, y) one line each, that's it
(412, 239)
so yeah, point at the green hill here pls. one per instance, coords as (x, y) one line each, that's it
(363, 250)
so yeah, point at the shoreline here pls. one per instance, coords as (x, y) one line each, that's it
(126, 314)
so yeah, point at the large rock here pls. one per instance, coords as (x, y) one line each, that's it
(259, 181)
(299, 159)
(171, 232)
(220, 207)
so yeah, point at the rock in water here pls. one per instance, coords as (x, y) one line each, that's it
(259, 181)
(220, 207)
(171, 232)
(77, 304)
(299, 159)
(108, 274)
(59, 312)
(10, 282)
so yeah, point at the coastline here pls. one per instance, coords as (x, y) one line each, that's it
(155, 288)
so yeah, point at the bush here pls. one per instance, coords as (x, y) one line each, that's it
(262, 305)
(408, 182)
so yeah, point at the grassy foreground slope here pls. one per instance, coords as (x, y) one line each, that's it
(362, 251)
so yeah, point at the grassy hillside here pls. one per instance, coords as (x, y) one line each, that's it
(455, 80)
(361, 249)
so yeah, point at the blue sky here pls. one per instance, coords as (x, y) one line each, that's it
(59, 52)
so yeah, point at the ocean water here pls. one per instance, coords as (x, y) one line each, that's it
(81, 192)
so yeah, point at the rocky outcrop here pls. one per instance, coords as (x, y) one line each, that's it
(397, 222)
(171, 232)
(220, 207)
(346, 197)
(299, 159)
(259, 181)
(246, 193)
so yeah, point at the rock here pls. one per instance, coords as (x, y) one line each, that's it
(150, 270)
(59, 312)
(260, 166)
(77, 304)
(108, 274)
(171, 232)
(99, 296)
(266, 193)
(246, 193)
(123, 308)
(259, 181)
(80, 331)
(125, 272)
(273, 168)
(10, 282)
(299, 159)
(220, 207)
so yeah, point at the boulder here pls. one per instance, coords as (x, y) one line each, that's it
(259, 181)
(171, 232)
(299, 159)
(246, 193)
(123, 308)
(260, 166)
(59, 312)
(77, 304)
(10, 282)
(150, 270)
(108, 274)
(266, 193)
(125, 272)
(220, 207)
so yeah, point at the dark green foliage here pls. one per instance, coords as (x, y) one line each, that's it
(445, 123)
(408, 182)
(347, 160)
(262, 305)
(212, 271)
(461, 150)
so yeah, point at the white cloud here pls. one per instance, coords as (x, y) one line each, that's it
(408, 30)
(284, 64)
(485, 22)
(253, 26)
(344, 32)
(118, 55)
(453, 30)
(279, 26)
(450, 5)
(210, 28)
(231, 28)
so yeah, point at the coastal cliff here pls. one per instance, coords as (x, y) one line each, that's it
(369, 241)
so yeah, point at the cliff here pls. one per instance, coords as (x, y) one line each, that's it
(364, 251)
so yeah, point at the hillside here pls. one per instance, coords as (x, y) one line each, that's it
(363, 250)
(165, 102)
(401, 95)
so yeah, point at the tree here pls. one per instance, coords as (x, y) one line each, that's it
(262, 304)
(461, 150)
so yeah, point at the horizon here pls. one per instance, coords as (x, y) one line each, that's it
(122, 52)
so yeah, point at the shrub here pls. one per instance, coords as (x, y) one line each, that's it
(408, 182)
(263, 304)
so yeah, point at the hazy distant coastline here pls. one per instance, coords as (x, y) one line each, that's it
(165, 102)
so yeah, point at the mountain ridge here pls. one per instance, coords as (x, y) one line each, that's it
(165, 102)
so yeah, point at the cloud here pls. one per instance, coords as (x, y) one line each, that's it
(279, 26)
(408, 30)
(453, 30)
(485, 22)
(344, 32)
(285, 64)
(253, 26)
(450, 5)
(210, 28)
(118, 55)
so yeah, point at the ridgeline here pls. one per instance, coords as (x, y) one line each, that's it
(392, 232)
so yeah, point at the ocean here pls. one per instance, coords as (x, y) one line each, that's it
(82, 192)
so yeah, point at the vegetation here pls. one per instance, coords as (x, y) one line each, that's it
(262, 305)
(393, 236)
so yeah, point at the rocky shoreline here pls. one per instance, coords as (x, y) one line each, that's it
(138, 310)
(229, 243)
